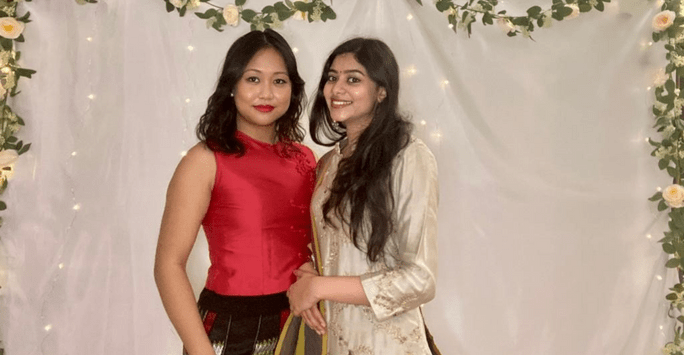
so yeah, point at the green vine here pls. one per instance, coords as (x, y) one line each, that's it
(462, 17)
(270, 16)
(668, 27)
(11, 31)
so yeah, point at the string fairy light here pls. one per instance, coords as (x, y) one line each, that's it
(409, 17)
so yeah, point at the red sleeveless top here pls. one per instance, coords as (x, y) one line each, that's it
(258, 224)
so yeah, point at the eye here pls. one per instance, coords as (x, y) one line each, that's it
(353, 80)
(253, 79)
(280, 81)
(332, 78)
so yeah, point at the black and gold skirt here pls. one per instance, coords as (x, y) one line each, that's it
(243, 325)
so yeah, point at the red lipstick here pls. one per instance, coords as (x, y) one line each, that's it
(264, 108)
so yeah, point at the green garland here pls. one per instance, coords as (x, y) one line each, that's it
(270, 16)
(669, 100)
(11, 32)
(463, 16)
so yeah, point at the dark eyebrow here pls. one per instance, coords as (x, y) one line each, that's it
(347, 71)
(259, 71)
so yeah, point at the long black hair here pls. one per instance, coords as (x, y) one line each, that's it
(363, 184)
(218, 124)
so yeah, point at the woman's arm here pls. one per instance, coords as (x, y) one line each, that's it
(411, 282)
(187, 200)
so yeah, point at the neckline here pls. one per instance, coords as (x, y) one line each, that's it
(246, 137)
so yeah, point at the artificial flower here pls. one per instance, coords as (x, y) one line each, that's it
(231, 14)
(575, 11)
(8, 157)
(660, 77)
(506, 25)
(299, 15)
(10, 27)
(178, 3)
(674, 195)
(663, 20)
(193, 4)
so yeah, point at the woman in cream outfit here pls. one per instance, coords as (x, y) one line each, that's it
(374, 210)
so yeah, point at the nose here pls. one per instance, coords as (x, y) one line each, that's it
(337, 87)
(266, 91)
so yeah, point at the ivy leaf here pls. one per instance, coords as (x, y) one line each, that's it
(169, 6)
(240, 2)
(663, 163)
(24, 149)
(444, 5)
(599, 6)
(657, 196)
(671, 296)
(672, 171)
(662, 206)
(207, 14)
(182, 10)
(248, 15)
(669, 248)
(25, 72)
(328, 14)
(672, 263)
(534, 11)
(3, 206)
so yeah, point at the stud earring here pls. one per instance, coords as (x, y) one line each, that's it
(232, 95)
(335, 125)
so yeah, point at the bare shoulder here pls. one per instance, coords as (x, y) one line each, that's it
(198, 166)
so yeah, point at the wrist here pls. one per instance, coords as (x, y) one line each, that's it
(316, 288)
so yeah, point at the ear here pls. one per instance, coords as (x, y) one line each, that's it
(382, 94)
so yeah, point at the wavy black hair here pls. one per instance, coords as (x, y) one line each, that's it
(364, 180)
(218, 124)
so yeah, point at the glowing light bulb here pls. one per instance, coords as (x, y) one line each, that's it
(647, 140)
(444, 83)
(73, 154)
(295, 50)
(77, 207)
(411, 70)
(184, 153)
(191, 48)
(187, 101)
(661, 327)
(451, 26)
(648, 236)
(648, 88)
(409, 17)
(60, 266)
(91, 96)
(48, 327)
(659, 189)
(423, 123)
(89, 39)
(660, 278)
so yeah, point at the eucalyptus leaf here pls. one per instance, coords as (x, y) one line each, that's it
(672, 263)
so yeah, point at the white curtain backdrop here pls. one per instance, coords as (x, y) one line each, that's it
(548, 244)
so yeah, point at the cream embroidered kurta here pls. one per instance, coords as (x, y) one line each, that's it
(397, 286)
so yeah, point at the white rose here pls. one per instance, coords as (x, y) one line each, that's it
(231, 14)
(505, 24)
(674, 196)
(663, 20)
(10, 27)
(178, 3)
(8, 157)
(301, 16)
(575, 12)
(193, 4)
(660, 77)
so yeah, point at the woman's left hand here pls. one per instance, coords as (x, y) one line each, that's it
(301, 293)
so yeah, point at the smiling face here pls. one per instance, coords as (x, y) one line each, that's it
(351, 95)
(262, 94)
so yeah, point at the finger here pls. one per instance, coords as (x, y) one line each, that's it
(312, 321)
(315, 313)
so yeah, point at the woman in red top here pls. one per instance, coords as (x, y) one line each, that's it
(249, 185)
